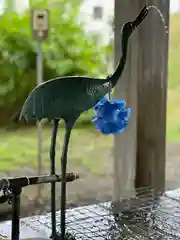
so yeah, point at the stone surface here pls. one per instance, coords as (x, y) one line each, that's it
(138, 218)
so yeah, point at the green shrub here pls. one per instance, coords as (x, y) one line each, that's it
(68, 51)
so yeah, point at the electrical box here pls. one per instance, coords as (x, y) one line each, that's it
(40, 23)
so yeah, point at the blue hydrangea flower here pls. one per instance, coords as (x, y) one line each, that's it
(111, 116)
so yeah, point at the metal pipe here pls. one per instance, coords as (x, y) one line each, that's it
(15, 230)
(26, 181)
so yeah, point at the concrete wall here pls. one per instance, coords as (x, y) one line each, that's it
(19, 5)
(100, 26)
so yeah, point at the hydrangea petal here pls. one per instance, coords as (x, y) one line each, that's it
(111, 116)
(119, 103)
(100, 103)
(124, 114)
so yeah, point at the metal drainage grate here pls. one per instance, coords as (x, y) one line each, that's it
(149, 216)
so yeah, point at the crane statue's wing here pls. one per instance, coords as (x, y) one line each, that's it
(60, 98)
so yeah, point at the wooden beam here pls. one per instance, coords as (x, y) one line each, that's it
(152, 94)
(139, 153)
(125, 143)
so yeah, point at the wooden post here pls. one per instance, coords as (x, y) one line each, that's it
(125, 143)
(152, 92)
(139, 153)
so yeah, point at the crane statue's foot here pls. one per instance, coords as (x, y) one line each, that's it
(55, 237)
(68, 236)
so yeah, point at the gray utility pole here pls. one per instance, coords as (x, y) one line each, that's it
(40, 27)
(39, 71)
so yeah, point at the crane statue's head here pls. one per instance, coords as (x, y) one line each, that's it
(112, 116)
(129, 27)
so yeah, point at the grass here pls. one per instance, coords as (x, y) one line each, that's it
(173, 109)
(88, 148)
(173, 115)
(19, 149)
(174, 51)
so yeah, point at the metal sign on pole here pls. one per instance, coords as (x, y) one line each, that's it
(40, 24)
(40, 28)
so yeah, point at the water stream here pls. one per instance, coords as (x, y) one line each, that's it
(161, 16)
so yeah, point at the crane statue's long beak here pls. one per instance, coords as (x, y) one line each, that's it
(142, 15)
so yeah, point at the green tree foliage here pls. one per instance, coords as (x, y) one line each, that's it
(68, 51)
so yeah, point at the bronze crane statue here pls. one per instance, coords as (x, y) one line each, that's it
(67, 98)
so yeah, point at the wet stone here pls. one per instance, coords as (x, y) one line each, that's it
(148, 216)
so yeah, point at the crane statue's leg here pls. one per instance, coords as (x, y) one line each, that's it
(53, 185)
(68, 128)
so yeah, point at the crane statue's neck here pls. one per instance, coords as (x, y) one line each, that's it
(114, 77)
